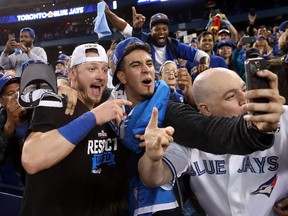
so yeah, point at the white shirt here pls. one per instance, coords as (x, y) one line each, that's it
(236, 185)
(160, 58)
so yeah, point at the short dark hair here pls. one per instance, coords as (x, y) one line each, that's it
(204, 33)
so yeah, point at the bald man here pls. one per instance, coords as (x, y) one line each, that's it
(219, 92)
(228, 184)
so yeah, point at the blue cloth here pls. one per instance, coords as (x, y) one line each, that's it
(146, 200)
(143, 200)
(100, 22)
(215, 61)
(139, 117)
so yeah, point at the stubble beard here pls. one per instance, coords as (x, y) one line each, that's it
(147, 95)
(91, 101)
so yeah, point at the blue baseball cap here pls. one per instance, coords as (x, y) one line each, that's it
(59, 61)
(7, 79)
(29, 30)
(260, 36)
(122, 50)
(225, 43)
(63, 57)
(283, 26)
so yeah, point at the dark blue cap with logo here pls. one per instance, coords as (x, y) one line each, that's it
(225, 43)
(7, 79)
(159, 18)
(59, 61)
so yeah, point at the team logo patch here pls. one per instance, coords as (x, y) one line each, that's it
(267, 187)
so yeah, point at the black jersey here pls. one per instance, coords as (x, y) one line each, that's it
(91, 180)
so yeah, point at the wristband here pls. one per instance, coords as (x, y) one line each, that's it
(76, 130)
(226, 22)
(208, 24)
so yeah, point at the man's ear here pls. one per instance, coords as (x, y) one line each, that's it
(71, 73)
(204, 109)
(122, 77)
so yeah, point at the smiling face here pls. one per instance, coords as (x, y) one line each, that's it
(225, 51)
(90, 80)
(160, 33)
(137, 74)
(26, 39)
(207, 43)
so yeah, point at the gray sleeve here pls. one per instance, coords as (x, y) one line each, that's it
(38, 53)
(177, 158)
(5, 62)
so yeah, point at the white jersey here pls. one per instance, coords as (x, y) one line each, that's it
(236, 185)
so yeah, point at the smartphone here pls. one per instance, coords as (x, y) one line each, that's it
(249, 40)
(253, 81)
(252, 11)
(214, 12)
(11, 36)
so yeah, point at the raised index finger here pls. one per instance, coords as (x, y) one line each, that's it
(134, 13)
(153, 122)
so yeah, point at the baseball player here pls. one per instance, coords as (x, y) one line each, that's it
(225, 184)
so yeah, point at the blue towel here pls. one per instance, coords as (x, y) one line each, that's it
(100, 22)
(138, 119)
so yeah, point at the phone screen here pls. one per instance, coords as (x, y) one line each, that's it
(252, 80)
(249, 40)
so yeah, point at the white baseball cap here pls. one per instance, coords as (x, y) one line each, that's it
(79, 54)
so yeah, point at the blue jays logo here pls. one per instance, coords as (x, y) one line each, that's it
(99, 159)
(267, 187)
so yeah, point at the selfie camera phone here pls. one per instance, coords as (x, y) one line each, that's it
(252, 11)
(249, 40)
(253, 81)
